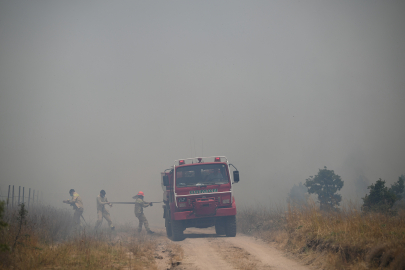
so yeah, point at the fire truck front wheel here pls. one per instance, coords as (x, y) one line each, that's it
(177, 230)
(230, 226)
(168, 226)
(220, 226)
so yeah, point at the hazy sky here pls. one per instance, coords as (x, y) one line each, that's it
(107, 94)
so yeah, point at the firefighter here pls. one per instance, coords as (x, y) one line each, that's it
(77, 204)
(215, 176)
(139, 205)
(102, 211)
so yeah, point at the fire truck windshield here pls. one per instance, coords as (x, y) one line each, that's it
(202, 174)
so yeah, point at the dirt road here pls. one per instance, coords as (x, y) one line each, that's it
(203, 249)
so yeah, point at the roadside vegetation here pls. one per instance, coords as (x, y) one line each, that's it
(348, 239)
(370, 236)
(44, 238)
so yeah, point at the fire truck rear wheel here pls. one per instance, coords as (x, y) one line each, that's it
(177, 230)
(168, 226)
(230, 226)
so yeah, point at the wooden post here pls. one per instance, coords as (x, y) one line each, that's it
(33, 197)
(19, 195)
(23, 194)
(29, 197)
(12, 201)
(8, 196)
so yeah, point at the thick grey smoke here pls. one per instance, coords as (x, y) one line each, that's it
(106, 95)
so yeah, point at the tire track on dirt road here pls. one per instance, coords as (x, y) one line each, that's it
(200, 254)
(203, 249)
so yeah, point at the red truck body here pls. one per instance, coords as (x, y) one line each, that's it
(198, 193)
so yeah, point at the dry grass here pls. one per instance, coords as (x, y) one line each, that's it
(50, 224)
(81, 252)
(347, 239)
(45, 242)
(260, 218)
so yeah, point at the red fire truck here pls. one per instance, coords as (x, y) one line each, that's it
(198, 193)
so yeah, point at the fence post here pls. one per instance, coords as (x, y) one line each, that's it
(29, 196)
(8, 195)
(19, 195)
(12, 201)
(23, 195)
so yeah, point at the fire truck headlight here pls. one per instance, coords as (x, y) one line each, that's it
(182, 204)
(226, 201)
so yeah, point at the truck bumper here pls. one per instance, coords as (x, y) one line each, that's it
(231, 211)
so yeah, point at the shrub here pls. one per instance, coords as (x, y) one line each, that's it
(381, 199)
(398, 188)
(3, 225)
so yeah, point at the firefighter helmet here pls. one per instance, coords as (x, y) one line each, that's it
(140, 193)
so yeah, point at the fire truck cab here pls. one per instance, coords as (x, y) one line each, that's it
(197, 192)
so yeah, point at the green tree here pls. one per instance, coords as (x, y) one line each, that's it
(298, 195)
(325, 184)
(398, 187)
(400, 203)
(382, 198)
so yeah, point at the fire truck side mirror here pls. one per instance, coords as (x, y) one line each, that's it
(236, 176)
(166, 181)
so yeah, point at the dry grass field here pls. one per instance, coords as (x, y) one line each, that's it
(348, 239)
(47, 240)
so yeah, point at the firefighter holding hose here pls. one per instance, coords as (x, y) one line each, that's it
(77, 204)
(102, 211)
(140, 204)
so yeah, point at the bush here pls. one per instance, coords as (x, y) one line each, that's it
(398, 188)
(3, 225)
(381, 199)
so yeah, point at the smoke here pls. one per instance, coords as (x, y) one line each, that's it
(107, 95)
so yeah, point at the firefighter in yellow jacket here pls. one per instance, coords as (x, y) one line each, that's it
(77, 204)
(140, 204)
(102, 211)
